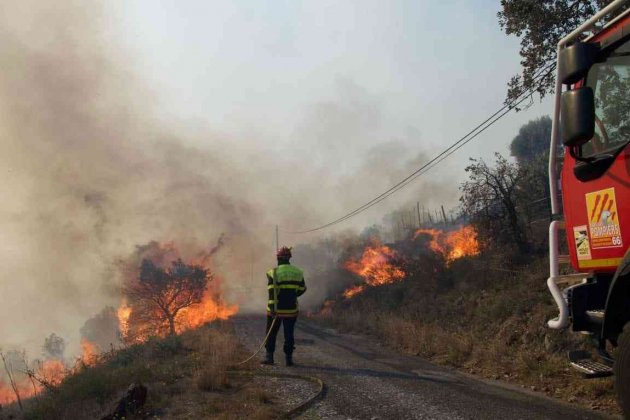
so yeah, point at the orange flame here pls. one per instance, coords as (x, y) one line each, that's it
(89, 352)
(136, 327)
(50, 371)
(375, 267)
(355, 290)
(25, 389)
(210, 309)
(452, 244)
(327, 308)
(123, 313)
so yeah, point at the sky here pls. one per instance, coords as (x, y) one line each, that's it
(123, 123)
(427, 71)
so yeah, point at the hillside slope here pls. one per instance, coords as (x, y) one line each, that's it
(485, 315)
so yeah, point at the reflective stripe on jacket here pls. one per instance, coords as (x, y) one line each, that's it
(289, 285)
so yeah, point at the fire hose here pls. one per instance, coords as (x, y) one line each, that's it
(273, 322)
(253, 373)
(300, 407)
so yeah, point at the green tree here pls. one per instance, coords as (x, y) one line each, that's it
(532, 140)
(540, 25)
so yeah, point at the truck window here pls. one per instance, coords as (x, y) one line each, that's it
(610, 81)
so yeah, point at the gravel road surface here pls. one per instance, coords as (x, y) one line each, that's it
(365, 380)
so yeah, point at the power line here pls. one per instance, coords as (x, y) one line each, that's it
(480, 128)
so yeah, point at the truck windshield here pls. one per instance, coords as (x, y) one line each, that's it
(610, 81)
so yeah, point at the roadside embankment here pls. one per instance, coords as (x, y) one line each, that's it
(186, 377)
(488, 321)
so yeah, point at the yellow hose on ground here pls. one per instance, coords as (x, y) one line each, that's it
(261, 344)
(321, 387)
(273, 323)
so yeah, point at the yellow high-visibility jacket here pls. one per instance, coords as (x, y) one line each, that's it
(289, 285)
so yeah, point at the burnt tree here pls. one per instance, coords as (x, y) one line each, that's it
(159, 294)
(490, 198)
(54, 347)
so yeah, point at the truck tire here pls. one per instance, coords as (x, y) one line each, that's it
(622, 371)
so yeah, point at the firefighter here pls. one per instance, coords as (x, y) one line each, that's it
(285, 284)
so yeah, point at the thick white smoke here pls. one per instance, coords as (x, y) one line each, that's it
(89, 173)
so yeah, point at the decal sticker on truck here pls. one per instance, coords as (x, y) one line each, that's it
(582, 245)
(603, 219)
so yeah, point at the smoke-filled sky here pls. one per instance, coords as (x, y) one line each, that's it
(126, 122)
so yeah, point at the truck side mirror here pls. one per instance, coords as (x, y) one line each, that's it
(578, 116)
(575, 61)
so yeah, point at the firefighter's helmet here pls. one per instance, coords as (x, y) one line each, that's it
(284, 253)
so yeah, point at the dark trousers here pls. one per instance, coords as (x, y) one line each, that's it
(289, 340)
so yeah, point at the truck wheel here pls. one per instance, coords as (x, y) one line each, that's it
(622, 371)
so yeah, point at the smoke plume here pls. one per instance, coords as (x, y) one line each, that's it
(90, 173)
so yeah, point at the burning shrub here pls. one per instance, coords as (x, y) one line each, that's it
(377, 266)
(381, 264)
(452, 244)
(161, 293)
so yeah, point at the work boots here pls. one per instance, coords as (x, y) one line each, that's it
(289, 360)
(268, 360)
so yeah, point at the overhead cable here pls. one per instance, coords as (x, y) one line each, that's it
(480, 128)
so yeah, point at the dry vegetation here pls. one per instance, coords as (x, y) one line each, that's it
(488, 321)
(186, 377)
(484, 314)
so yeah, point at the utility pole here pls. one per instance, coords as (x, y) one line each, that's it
(251, 268)
(418, 211)
(444, 215)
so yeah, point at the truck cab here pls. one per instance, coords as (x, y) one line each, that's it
(590, 193)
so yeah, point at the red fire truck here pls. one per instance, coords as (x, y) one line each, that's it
(592, 118)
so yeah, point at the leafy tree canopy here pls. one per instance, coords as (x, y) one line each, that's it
(540, 24)
(532, 140)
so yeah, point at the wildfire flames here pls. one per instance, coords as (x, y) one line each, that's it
(123, 313)
(90, 352)
(378, 264)
(50, 372)
(208, 310)
(452, 244)
(132, 327)
(354, 290)
(137, 322)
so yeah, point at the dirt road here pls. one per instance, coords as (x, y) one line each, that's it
(367, 381)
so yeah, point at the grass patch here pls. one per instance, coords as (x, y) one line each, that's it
(186, 377)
